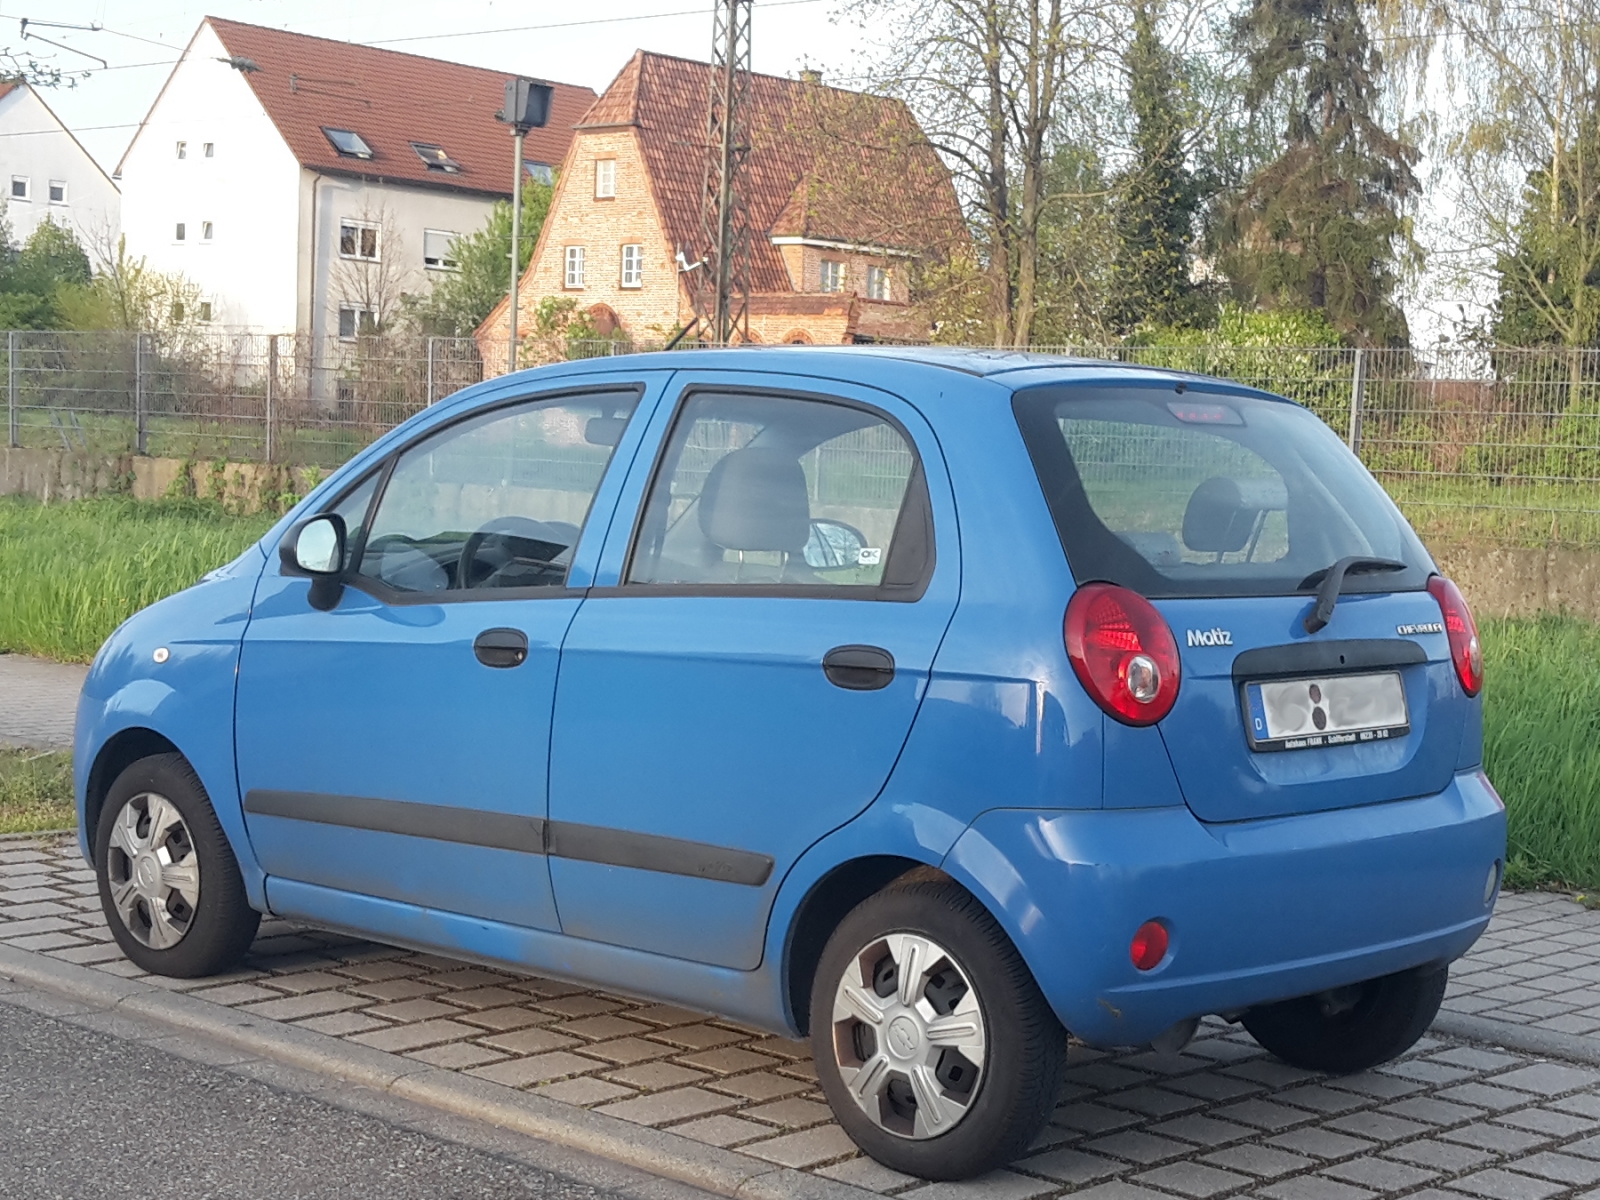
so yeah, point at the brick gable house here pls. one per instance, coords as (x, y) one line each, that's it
(843, 193)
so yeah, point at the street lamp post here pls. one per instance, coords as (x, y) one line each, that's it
(527, 106)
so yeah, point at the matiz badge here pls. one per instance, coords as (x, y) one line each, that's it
(1210, 637)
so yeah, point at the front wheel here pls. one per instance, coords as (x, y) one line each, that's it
(169, 884)
(1351, 1028)
(933, 1044)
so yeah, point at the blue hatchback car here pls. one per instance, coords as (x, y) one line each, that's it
(930, 705)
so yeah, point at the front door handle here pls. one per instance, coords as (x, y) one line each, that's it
(501, 647)
(859, 668)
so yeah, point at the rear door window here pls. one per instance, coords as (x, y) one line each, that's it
(1207, 494)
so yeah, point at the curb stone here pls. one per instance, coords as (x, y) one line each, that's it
(658, 1152)
(1544, 1042)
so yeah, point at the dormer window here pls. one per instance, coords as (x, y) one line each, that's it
(434, 157)
(540, 172)
(347, 142)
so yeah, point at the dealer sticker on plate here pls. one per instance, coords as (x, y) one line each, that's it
(1339, 710)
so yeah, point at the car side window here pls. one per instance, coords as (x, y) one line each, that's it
(496, 501)
(777, 490)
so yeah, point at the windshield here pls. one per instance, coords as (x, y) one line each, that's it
(1207, 493)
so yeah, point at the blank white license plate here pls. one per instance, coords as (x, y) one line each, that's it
(1339, 710)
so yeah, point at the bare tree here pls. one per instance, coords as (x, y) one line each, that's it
(371, 275)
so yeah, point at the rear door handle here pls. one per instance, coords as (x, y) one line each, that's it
(859, 668)
(501, 647)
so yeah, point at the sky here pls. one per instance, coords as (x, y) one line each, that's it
(582, 44)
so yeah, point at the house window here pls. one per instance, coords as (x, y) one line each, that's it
(19, 187)
(183, 149)
(633, 266)
(358, 239)
(355, 321)
(58, 191)
(208, 149)
(438, 249)
(205, 310)
(878, 283)
(347, 142)
(605, 179)
(205, 231)
(540, 172)
(832, 275)
(180, 232)
(574, 275)
(434, 157)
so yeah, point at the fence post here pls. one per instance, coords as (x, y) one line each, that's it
(430, 372)
(13, 431)
(272, 383)
(139, 432)
(1358, 396)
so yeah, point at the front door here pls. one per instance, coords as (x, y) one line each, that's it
(747, 684)
(396, 746)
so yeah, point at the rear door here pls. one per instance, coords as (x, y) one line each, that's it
(1222, 509)
(746, 684)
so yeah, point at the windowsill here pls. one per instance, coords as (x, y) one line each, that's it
(631, 287)
(605, 197)
(359, 258)
(441, 268)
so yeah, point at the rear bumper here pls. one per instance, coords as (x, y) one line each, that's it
(1257, 911)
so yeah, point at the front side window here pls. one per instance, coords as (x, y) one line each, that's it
(782, 491)
(605, 178)
(633, 266)
(832, 275)
(574, 274)
(358, 239)
(495, 502)
(1208, 494)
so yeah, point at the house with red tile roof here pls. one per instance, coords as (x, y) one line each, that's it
(843, 195)
(46, 174)
(307, 184)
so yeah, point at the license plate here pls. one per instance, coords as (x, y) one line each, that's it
(1339, 710)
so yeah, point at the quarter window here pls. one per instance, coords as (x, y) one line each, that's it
(633, 266)
(780, 491)
(574, 275)
(495, 502)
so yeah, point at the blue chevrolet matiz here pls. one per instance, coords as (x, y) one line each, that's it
(931, 705)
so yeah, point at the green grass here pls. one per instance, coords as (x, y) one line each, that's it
(71, 573)
(1542, 745)
(35, 790)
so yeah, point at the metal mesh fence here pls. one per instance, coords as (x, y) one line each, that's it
(1498, 446)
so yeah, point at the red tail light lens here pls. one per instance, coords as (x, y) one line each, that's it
(1149, 946)
(1123, 652)
(1463, 633)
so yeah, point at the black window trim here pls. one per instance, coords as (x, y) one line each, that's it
(917, 503)
(384, 468)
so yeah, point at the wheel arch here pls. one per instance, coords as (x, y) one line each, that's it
(120, 751)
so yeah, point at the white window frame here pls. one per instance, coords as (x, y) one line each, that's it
(831, 275)
(183, 149)
(605, 179)
(27, 188)
(206, 230)
(180, 232)
(358, 312)
(50, 191)
(632, 265)
(447, 261)
(360, 227)
(880, 285)
(572, 275)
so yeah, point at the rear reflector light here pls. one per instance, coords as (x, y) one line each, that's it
(1123, 652)
(1149, 946)
(1462, 630)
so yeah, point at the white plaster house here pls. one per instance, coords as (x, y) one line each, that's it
(45, 172)
(305, 183)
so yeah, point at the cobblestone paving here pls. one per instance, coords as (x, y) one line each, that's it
(38, 701)
(1449, 1121)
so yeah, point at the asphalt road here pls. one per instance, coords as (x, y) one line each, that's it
(86, 1114)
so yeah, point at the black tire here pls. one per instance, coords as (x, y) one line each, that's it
(213, 932)
(1351, 1029)
(1025, 1046)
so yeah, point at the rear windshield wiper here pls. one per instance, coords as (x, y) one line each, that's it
(1331, 580)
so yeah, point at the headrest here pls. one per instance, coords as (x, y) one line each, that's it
(1222, 512)
(755, 499)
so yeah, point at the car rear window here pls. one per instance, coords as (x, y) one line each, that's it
(1204, 492)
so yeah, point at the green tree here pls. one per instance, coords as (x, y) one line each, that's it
(39, 281)
(461, 300)
(1158, 197)
(1323, 226)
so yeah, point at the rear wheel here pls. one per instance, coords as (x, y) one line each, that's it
(1351, 1028)
(169, 884)
(933, 1043)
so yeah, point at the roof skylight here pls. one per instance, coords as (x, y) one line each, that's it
(347, 142)
(435, 158)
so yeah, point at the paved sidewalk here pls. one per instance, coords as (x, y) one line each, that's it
(1450, 1121)
(38, 701)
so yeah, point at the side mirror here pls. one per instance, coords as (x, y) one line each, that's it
(835, 544)
(315, 548)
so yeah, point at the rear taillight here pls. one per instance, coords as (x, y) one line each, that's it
(1463, 633)
(1123, 652)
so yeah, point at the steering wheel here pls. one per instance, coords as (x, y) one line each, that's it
(543, 544)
